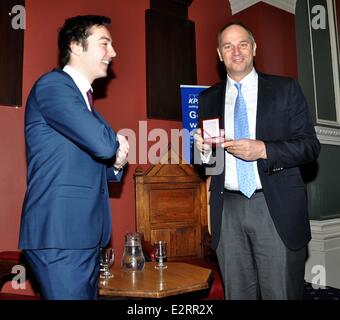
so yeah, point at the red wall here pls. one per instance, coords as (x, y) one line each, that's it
(209, 17)
(274, 31)
(125, 103)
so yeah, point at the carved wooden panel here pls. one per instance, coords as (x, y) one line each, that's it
(170, 203)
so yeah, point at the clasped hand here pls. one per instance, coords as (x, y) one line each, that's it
(122, 152)
(246, 149)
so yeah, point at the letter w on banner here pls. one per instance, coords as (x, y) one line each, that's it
(189, 95)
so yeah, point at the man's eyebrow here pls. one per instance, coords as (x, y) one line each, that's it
(105, 38)
(229, 42)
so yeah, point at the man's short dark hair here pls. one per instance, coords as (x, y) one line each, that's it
(77, 29)
(235, 23)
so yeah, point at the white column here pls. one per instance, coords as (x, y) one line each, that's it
(323, 264)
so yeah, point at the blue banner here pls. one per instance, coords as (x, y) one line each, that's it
(189, 94)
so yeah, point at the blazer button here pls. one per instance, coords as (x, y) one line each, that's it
(102, 190)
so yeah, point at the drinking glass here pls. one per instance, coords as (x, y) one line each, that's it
(106, 261)
(160, 254)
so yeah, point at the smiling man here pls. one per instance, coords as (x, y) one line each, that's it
(260, 226)
(71, 153)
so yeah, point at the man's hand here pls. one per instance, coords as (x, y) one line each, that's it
(201, 146)
(122, 153)
(246, 149)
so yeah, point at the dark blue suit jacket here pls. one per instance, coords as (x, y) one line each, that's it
(284, 124)
(66, 204)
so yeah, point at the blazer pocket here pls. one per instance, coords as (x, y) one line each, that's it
(72, 191)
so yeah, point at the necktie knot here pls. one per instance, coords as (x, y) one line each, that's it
(238, 86)
(90, 97)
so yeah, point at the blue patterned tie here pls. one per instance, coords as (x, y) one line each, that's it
(245, 169)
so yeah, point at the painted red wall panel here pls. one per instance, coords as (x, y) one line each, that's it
(274, 31)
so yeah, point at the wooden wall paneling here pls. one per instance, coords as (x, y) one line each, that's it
(170, 57)
(11, 54)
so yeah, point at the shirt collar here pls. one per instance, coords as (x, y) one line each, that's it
(247, 81)
(81, 82)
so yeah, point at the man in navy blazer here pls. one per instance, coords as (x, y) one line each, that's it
(260, 236)
(71, 152)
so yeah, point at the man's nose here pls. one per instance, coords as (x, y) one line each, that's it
(111, 52)
(236, 50)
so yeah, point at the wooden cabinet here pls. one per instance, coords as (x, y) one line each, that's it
(171, 205)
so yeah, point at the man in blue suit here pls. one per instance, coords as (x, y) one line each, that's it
(71, 152)
(260, 226)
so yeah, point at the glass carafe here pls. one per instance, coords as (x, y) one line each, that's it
(133, 257)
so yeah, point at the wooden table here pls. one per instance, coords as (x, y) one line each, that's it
(178, 278)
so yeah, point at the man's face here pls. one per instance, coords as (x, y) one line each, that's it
(237, 52)
(94, 60)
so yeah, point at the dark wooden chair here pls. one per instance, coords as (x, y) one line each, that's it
(171, 205)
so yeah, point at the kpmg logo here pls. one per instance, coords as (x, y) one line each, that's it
(193, 99)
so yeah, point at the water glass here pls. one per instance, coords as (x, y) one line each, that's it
(160, 254)
(106, 261)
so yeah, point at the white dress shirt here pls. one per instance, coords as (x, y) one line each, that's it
(249, 91)
(81, 82)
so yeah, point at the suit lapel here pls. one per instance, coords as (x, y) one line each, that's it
(219, 103)
(264, 103)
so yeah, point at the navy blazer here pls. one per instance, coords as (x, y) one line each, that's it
(283, 122)
(66, 204)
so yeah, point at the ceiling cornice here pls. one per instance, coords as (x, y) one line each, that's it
(239, 5)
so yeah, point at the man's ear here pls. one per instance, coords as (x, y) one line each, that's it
(76, 48)
(219, 54)
(254, 49)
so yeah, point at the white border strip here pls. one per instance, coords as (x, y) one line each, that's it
(192, 86)
(240, 5)
(313, 62)
(334, 52)
(335, 64)
(286, 5)
(325, 229)
(328, 135)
